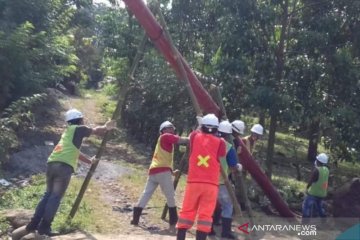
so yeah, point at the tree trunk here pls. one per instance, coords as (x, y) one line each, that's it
(271, 143)
(262, 117)
(280, 59)
(314, 129)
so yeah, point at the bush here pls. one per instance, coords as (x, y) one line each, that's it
(17, 117)
(110, 89)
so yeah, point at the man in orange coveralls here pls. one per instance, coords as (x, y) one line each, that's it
(203, 179)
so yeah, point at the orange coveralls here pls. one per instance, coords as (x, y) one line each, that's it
(202, 181)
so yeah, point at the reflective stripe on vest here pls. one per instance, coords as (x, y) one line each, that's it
(224, 163)
(65, 151)
(204, 166)
(319, 188)
(162, 158)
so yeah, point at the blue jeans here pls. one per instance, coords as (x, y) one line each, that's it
(225, 202)
(58, 176)
(310, 204)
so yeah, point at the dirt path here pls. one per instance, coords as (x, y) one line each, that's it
(107, 175)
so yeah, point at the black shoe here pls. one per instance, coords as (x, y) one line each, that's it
(136, 216)
(181, 234)
(173, 216)
(201, 235)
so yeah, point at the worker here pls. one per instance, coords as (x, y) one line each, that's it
(316, 188)
(230, 161)
(238, 129)
(257, 131)
(160, 172)
(60, 165)
(250, 141)
(203, 179)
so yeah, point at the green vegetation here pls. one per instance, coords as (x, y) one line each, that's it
(17, 117)
(291, 65)
(92, 207)
(110, 89)
(289, 187)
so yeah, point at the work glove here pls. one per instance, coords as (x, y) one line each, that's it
(239, 167)
(110, 125)
(176, 172)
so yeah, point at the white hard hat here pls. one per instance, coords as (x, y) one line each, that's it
(323, 158)
(73, 114)
(238, 126)
(166, 124)
(225, 127)
(210, 120)
(258, 129)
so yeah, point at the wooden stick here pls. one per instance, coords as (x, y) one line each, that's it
(115, 116)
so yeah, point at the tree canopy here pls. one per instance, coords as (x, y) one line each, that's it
(293, 64)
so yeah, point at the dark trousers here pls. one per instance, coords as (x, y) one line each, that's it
(58, 176)
(311, 204)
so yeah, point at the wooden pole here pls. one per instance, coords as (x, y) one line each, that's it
(239, 179)
(195, 104)
(115, 116)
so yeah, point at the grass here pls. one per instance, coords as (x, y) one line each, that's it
(135, 184)
(289, 187)
(92, 206)
(3, 225)
(103, 101)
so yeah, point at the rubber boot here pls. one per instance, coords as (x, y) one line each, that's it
(181, 234)
(173, 216)
(201, 235)
(226, 228)
(136, 215)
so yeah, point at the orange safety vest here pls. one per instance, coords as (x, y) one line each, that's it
(204, 165)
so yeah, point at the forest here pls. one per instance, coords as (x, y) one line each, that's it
(291, 65)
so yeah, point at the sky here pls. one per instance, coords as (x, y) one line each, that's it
(106, 2)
